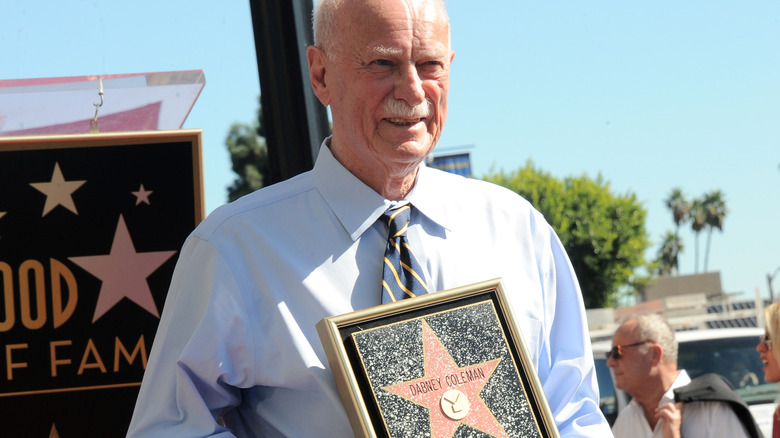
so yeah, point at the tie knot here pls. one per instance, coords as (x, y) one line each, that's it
(397, 219)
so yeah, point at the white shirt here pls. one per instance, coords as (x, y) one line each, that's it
(237, 335)
(699, 419)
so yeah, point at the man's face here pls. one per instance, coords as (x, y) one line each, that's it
(388, 80)
(634, 367)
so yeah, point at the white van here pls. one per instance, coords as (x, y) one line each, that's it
(730, 352)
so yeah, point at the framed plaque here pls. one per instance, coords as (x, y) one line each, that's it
(447, 364)
(90, 231)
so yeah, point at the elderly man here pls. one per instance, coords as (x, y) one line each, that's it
(644, 362)
(237, 352)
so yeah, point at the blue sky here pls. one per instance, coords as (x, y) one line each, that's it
(651, 95)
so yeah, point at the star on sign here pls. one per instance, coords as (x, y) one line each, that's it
(58, 191)
(2, 213)
(123, 272)
(450, 393)
(142, 195)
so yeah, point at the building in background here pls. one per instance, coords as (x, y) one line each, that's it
(688, 302)
(457, 163)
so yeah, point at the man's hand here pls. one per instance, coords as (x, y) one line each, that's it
(670, 416)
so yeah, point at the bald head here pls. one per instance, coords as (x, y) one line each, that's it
(331, 15)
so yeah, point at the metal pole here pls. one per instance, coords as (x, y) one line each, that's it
(295, 122)
(769, 278)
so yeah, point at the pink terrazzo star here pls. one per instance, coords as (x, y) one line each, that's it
(443, 375)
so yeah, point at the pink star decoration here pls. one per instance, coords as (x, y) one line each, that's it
(142, 195)
(435, 391)
(123, 272)
(58, 191)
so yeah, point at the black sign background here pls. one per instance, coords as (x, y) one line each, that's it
(92, 393)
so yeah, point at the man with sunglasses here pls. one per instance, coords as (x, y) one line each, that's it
(643, 360)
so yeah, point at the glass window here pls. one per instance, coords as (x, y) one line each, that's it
(607, 400)
(733, 358)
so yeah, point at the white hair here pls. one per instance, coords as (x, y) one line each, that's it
(654, 328)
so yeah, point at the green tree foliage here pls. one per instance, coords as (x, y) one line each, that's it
(668, 255)
(679, 206)
(715, 211)
(249, 156)
(698, 222)
(708, 212)
(667, 261)
(603, 233)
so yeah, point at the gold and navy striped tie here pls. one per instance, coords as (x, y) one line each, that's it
(402, 276)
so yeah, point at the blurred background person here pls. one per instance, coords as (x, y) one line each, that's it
(770, 356)
(643, 360)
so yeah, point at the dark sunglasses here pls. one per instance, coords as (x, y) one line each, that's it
(617, 351)
(766, 341)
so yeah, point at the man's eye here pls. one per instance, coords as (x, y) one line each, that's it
(431, 67)
(382, 62)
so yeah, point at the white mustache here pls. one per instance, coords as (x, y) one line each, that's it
(400, 108)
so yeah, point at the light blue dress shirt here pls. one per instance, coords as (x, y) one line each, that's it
(237, 336)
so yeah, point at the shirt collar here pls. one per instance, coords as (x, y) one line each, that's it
(358, 206)
(430, 195)
(355, 204)
(682, 379)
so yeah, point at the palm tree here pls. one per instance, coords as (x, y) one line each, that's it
(698, 222)
(714, 214)
(680, 208)
(667, 261)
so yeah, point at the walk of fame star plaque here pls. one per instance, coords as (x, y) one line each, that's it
(448, 364)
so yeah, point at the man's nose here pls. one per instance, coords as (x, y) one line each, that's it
(409, 87)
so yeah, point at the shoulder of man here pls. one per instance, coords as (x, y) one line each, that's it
(264, 198)
(716, 388)
(464, 188)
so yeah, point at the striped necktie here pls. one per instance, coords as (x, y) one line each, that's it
(402, 276)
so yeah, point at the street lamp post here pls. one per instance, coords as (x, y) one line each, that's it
(769, 278)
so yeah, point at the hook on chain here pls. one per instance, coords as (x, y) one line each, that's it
(93, 124)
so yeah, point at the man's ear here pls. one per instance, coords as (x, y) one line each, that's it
(317, 72)
(657, 353)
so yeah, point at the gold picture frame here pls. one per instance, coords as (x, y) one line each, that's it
(435, 364)
(91, 226)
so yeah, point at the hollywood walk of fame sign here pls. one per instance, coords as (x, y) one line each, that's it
(90, 233)
(448, 364)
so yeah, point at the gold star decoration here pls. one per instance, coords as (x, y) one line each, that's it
(58, 191)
